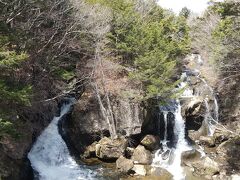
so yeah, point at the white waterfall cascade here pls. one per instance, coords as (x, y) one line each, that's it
(211, 118)
(173, 162)
(50, 157)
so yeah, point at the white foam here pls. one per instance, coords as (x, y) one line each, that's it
(173, 163)
(50, 157)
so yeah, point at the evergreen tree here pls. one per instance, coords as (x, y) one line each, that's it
(150, 41)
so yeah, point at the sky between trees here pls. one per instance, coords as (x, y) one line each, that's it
(197, 6)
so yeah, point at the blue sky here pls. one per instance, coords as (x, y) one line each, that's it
(197, 6)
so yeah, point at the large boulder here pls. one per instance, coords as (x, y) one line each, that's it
(151, 142)
(90, 151)
(160, 173)
(150, 172)
(199, 166)
(124, 165)
(188, 157)
(205, 168)
(195, 107)
(107, 149)
(142, 155)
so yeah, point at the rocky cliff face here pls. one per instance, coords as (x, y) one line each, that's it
(229, 99)
(88, 123)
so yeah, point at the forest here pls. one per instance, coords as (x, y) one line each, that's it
(122, 60)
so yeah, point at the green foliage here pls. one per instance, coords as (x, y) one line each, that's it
(226, 8)
(150, 41)
(7, 128)
(224, 28)
(15, 94)
(65, 74)
(12, 92)
(185, 12)
(11, 59)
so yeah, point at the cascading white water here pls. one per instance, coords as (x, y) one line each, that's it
(173, 162)
(209, 117)
(165, 126)
(50, 157)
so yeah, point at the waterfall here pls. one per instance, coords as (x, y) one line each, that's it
(211, 118)
(170, 158)
(165, 126)
(50, 157)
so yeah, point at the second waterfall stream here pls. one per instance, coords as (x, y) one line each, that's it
(174, 142)
(50, 157)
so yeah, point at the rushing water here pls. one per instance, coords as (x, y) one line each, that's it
(50, 157)
(169, 157)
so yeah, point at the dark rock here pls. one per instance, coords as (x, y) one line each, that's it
(88, 119)
(129, 152)
(142, 156)
(107, 149)
(151, 142)
(166, 154)
(124, 165)
(195, 135)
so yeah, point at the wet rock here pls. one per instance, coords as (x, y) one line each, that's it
(166, 154)
(151, 142)
(108, 149)
(194, 110)
(124, 165)
(161, 173)
(90, 151)
(142, 156)
(139, 170)
(206, 167)
(188, 157)
(207, 141)
(195, 107)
